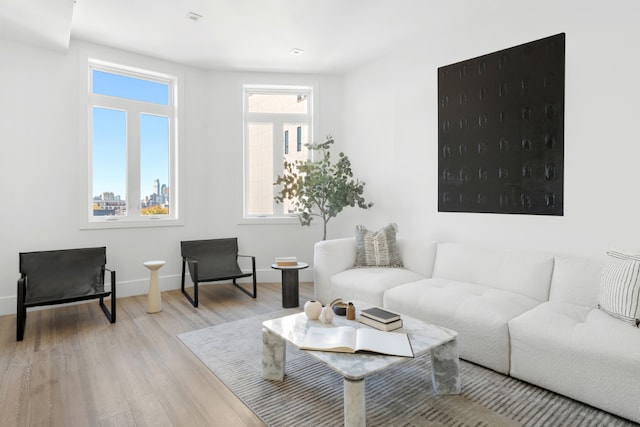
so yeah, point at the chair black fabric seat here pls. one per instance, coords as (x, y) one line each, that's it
(216, 277)
(213, 260)
(63, 276)
(41, 301)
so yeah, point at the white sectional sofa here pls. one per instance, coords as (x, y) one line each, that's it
(530, 315)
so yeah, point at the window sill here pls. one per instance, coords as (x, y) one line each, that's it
(132, 223)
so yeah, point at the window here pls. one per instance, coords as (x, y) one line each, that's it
(131, 146)
(271, 115)
(286, 142)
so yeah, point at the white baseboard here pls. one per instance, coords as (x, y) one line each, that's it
(166, 283)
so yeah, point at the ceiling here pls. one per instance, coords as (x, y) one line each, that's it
(255, 35)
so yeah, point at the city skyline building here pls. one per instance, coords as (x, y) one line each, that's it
(110, 204)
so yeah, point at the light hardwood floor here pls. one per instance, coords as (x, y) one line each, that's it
(74, 368)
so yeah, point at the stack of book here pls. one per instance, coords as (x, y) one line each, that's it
(286, 261)
(379, 318)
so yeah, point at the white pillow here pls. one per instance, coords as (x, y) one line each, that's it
(620, 287)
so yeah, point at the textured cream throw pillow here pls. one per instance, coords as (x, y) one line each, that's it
(377, 249)
(620, 287)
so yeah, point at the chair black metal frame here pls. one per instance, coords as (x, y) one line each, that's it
(62, 276)
(213, 260)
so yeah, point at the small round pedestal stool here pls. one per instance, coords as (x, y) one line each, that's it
(154, 303)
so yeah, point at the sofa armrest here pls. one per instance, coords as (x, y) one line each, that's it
(330, 257)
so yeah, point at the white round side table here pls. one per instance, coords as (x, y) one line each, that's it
(154, 303)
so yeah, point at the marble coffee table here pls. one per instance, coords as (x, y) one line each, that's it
(354, 368)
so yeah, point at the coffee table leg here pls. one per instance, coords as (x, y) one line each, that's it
(273, 356)
(445, 371)
(354, 404)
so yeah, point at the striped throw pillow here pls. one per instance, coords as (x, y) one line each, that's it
(377, 249)
(620, 287)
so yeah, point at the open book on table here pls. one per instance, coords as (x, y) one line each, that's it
(347, 339)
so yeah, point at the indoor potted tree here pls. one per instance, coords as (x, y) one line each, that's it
(320, 188)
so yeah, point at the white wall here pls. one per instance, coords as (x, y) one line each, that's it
(391, 132)
(383, 115)
(40, 169)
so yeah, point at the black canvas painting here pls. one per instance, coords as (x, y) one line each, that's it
(501, 131)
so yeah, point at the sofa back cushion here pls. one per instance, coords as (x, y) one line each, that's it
(576, 280)
(417, 254)
(524, 272)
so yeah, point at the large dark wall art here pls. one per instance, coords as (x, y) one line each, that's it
(501, 131)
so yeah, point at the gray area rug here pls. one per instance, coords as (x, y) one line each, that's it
(311, 393)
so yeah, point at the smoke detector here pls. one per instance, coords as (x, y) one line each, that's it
(194, 16)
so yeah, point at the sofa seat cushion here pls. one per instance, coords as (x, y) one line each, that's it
(580, 352)
(369, 284)
(478, 313)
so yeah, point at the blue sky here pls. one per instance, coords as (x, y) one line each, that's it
(109, 135)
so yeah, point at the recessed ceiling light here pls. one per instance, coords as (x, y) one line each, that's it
(296, 51)
(194, 16)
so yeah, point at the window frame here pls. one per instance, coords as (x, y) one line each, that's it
(279, 216)
(89, 100)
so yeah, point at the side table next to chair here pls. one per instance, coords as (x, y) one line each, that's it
(290, 283)
(154, 302)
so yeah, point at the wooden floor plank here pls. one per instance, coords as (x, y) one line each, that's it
(15, 387)
(74, 368)
(44, 391)
(76, 387)
(123, 419)
(147, 410)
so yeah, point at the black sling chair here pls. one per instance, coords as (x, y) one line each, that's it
(62, 276)
(213, 260)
